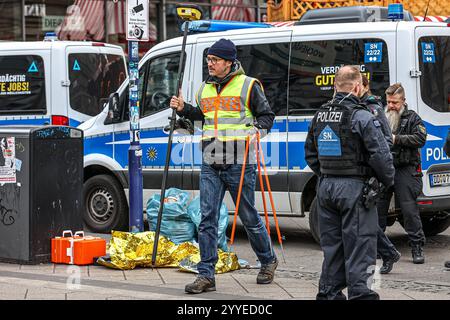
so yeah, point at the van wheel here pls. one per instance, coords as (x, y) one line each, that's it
(436, 224)
(314, 221)
(105, 204)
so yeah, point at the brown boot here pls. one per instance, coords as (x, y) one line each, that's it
(201, 284)
(267, 272)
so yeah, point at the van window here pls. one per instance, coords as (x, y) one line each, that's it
(124, 101)
(22, 84)
(314, 64)
(434, 61)
(161, 82)
(93, 77)
(269, 64)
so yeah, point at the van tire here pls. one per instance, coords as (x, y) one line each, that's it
(105, 204)
(435, 225)
(314, 221)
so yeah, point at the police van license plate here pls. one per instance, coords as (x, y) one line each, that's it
(439, 179)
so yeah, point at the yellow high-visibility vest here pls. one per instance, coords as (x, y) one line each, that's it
(227, 114)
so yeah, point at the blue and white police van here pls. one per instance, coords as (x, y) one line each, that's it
(57, 82)
(296, 66)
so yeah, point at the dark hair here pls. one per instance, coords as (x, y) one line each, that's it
(365, 82)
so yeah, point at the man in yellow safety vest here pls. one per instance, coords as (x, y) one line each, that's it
(231, 107)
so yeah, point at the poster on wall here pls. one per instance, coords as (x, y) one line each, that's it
(7, 160)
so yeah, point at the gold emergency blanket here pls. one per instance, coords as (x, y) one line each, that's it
(130, 250)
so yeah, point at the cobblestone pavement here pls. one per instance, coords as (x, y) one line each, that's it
(296, 278)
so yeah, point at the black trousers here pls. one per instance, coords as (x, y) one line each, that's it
(407, 187)
(348, 237)
(385, 248)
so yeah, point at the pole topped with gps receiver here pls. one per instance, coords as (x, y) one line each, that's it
(187, 13)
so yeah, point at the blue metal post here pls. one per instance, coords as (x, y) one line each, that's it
(135, 150)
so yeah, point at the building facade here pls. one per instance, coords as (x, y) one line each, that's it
(105, 20)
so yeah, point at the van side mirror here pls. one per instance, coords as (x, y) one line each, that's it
(113, 107)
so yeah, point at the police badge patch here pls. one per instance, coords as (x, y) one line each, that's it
(329, 143)
(422, 129)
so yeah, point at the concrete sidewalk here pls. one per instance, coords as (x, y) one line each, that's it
(63, 282)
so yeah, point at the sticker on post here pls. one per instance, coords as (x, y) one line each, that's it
(134, 118)
(373, 52)
(134, 51)
(329, 143)
(428, 52)
(134, 135)
(138, 153)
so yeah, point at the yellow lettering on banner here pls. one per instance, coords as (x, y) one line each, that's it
(318, 80)
(18, 86)
(3, 86)
(325, 80)
(328, 79)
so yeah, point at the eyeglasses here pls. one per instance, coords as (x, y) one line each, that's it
(212, 60)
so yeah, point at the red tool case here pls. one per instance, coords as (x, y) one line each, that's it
(77, 249)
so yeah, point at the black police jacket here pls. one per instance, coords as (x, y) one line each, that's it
(341, 152)
(375, 106)
(367, 129)
(410, 136)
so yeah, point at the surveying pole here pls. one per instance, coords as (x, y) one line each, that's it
(187, 13)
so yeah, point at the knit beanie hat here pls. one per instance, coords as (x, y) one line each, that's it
(224, 49)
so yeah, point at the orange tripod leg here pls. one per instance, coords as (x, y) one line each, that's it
(280, 241)
(238, 200)
(261, 183)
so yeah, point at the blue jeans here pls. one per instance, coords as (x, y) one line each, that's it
(213, 184)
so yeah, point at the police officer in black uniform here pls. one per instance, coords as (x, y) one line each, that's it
(345, 147)
(409, 135)
(385, 248)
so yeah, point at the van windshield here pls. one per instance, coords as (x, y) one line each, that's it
(93, 77)
(22, 84)
(434, 61)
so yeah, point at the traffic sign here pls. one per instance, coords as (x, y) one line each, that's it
(137, 20)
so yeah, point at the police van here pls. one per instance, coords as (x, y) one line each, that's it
(57, 82)
(296, 65)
